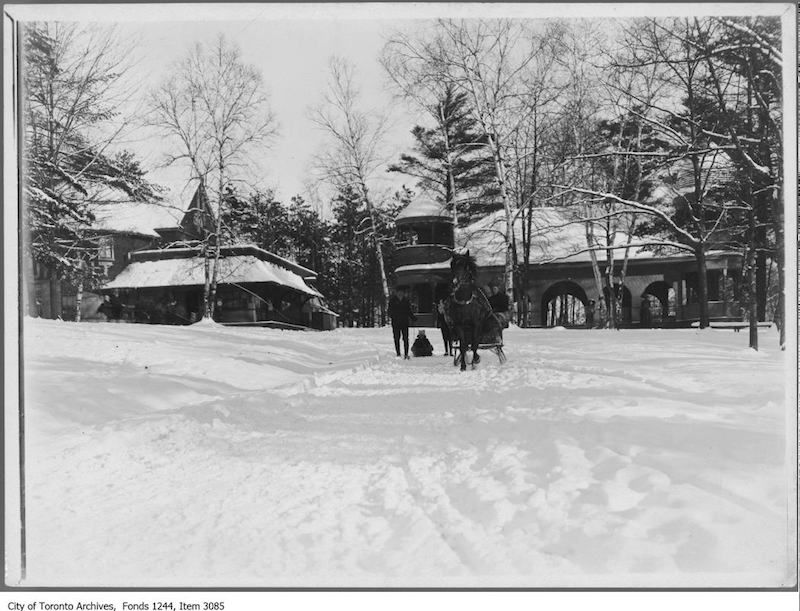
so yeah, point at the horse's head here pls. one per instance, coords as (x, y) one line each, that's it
(463, 269)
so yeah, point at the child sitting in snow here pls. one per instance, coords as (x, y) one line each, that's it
(421, 346)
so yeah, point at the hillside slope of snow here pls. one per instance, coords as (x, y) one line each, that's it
(210, 456)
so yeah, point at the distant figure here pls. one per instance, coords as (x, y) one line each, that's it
(590, 314)
(441, 322)
(105, 307)
(402, 316)
(421, 347)
(116, 306)
(111, 307)
(500, 304)
(644, 313)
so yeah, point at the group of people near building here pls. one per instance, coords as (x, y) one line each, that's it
(402, 315)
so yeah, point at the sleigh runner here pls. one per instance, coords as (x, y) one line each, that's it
(491, 339)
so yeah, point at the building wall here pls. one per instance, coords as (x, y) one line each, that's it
(638, 278)
(123, 245)
(51, 297)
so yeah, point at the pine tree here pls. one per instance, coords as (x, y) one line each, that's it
(70, 78)
(259, 219)
(450, 161)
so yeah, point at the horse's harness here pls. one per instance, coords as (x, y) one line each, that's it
(458, 301)
(458, 284)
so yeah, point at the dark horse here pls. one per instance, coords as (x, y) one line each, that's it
(468, 308)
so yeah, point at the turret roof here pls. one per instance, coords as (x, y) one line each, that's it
(423, 207)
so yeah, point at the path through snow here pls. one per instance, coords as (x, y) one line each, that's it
(164, 456)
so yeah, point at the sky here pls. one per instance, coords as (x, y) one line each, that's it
(293, 58)
(291, 45)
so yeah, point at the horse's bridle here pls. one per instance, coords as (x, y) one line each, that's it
(459, 302)
(457, 285)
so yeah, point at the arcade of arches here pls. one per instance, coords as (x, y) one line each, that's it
(564, 304)
(644, 300)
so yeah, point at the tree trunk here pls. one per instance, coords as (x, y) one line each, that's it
(508, 270)
(212, 296)
(761, 275)
(207, 313)
(598, 279)
(610, 294)
(780, 259)
(217, 238)
(79, 299)
(752, 281)
(702, 284)
(378, 248)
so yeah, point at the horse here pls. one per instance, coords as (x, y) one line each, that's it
(468, 309)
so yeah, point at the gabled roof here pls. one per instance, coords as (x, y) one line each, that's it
(556, 237)
(115, 211)
(225, 251)
(183, 267)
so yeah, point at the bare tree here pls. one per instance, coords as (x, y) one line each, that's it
(488, 60)
(352, 156)
(614, 154)
(691, 165)
(213, 106)
(744, 66)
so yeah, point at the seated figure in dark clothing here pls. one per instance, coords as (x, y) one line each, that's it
(500, 304)
(421, 346)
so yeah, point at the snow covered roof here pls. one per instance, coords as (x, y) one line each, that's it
(423, 207)
(556, 238)
(189, 271)
(126, 216)
(116, 211)
(423, 267)
(717, 171)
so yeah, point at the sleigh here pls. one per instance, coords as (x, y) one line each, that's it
(491, 338)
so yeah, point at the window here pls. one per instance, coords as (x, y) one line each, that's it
(106, 250)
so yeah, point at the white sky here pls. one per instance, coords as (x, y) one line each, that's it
(291, 45)
(293, 58)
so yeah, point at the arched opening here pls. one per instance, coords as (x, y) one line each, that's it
(564, 304)
(658, 304)
(623, 302)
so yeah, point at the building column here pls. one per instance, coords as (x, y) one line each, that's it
(725, 290)
(535, 313)
(636, 306)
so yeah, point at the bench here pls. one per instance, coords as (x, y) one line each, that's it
(736, 325)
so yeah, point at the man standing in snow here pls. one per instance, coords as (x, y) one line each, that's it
(401, 315)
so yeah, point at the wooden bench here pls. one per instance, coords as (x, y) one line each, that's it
(735, 325)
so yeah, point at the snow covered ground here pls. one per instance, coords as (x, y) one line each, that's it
(209, 456)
